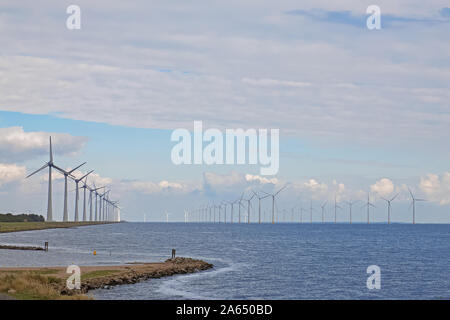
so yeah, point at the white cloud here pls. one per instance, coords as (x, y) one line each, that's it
(18, 145)
(272, 82)
(261, 180)
(383, 187)
(436, 188)
(318, 86)
(11, 172)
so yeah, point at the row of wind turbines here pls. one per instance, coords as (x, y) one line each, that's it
(102, 208)
(213, 212)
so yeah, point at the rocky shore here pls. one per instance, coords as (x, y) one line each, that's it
(138, 272)
(50, 282)
(5, 247)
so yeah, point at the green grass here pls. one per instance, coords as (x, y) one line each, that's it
(98, 274)
(33, 286)
(26, 226)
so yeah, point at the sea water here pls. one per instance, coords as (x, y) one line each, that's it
(256, 261)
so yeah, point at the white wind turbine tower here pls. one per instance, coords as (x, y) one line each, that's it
(105, 207)
(336, 206)
(101, 196)
(240, 204)
(413, 204)
(66, 174)
(96, 201)
(91, 202)
(323, 210)
(350, 205)
(368, 205)
(186, 217)
(389, 206)
(259, 207)
(77, 196)
(50, 165)
(232, 203)
(311, 212)
(224, 203)
(273, 201)
(84, 187)
(301, 214)
(167, 217)
(248, 207)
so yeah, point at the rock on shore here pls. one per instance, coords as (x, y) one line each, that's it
(135, 273)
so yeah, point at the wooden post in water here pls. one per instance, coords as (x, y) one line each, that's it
(46, 246)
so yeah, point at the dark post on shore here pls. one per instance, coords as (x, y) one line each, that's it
(173, 253)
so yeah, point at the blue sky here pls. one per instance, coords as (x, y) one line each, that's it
(353, 106)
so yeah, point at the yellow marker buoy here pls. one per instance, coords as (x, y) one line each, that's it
(95, 253)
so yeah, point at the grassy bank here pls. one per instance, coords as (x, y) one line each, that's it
(27, 226)
(50, 283)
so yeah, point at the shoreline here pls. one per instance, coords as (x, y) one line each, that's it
(50, 282)
(8, 227)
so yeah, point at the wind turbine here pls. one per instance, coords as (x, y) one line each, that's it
(311, 211)
(240, 204)
(85, 186)
(368, 205)
(224, 203)
(273, 201)
(90, 200)
(50, 165)
(301, 214)
(96, 202)
(259, 207)
(167, 217)
(350, 205)
(323, 210)
(66, 174)
(100, 214)
(336, 206)
(232, 203)
(413, 204)
(389, 206)
(248, 207)
(77, 196)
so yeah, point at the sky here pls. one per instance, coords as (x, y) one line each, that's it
(358, 110)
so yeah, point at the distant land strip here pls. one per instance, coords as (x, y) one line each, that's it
(28, 226)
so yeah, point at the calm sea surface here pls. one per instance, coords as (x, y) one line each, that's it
(281, 261)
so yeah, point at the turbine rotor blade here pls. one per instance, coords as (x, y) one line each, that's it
(281, 189)
(77, 167)
(42, 168)
(394, 197)
(51, 151)
(85, 175)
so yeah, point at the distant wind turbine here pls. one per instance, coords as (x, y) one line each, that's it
(77, 195)
(259, 207)
(66, 174)
(167, 217)
(413, 204)
(368, 205)
(389, 206)
(248, 207)
(273, 201)
(336, 206)
(350, 205)
(323, 211)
